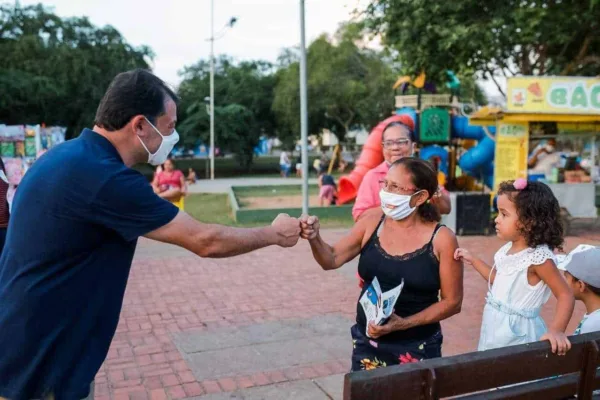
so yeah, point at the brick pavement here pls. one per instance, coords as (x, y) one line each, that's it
(172, 292)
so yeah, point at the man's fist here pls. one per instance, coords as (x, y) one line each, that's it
(287, 229)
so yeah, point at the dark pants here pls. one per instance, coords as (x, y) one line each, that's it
(2, 238)
(370, 354)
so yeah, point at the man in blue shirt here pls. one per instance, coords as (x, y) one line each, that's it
(72, 235)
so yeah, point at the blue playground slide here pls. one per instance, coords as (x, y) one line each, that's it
(477, 161)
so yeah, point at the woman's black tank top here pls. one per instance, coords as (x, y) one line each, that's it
(420, 270)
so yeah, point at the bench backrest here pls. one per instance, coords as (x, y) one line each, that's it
(514, 372)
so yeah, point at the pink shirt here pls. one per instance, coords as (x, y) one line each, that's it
(170, 178)
(368, 192)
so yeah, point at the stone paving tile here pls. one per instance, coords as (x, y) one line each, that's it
(171, 291)
(299, 390)
(333, 385)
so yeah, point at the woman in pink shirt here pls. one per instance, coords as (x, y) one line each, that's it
(398, 142)
(170, 182)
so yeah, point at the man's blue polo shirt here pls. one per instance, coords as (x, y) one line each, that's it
(76, 218)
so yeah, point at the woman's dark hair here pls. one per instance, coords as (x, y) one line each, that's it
(424, 177)
(539, 213)
(131, 93)
(411, 134)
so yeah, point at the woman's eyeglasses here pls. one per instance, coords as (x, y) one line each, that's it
(388, 144)
(393, 188)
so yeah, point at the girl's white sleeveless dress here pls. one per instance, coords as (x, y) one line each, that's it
(512, 311)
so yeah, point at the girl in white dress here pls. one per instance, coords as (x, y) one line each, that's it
(524, 271)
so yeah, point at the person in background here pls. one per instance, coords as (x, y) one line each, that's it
(343, 164)
(170, 183)
(398, 142)
(541, 152)
(4, 207)
(284, 164)
(191, 177)
(582, 272)
(299, 166)
(317, 164)
(327, 189)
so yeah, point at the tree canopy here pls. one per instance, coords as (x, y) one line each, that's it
(55, 70)
(348, 85)
(493, 39)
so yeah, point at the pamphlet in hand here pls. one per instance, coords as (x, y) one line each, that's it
(379, 306)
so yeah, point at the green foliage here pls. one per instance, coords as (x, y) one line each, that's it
(243, 97)
(55, 70)
(503, 38)
(348, 85)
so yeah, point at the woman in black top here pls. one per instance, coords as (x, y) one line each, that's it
(401, 242)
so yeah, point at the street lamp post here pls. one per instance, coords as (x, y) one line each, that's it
(212, 39)
(303, 111)
(212, 90)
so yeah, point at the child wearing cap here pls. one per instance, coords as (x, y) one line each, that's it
(582, 272)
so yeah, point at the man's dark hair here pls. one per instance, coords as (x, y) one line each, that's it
(131, 93)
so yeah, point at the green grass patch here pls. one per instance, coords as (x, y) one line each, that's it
(210, 208)
(215, 209)
(273, 190)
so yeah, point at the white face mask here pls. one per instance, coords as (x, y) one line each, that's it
(166, 145)
(396, 206)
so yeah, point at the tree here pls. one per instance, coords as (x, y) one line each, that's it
(504, 38)
(55, 70)
(347, 86)
(245, 88)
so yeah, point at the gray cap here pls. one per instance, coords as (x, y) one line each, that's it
(584, 264)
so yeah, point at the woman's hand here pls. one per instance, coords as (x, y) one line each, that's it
(394, 323)
(558, 340)
(310, 226)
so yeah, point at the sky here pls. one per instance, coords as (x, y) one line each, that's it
(177, 30)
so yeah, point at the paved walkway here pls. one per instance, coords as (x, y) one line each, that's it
(266, 325)
(223, 185)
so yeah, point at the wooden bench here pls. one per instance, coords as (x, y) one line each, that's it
(528, 371)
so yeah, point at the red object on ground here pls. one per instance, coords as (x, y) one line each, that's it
(370, 157)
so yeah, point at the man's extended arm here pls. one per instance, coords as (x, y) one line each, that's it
(217, 241)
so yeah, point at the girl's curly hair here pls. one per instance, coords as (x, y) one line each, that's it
(539, 213)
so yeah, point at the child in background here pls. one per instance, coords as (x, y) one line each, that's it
(327, 189)
(582, 272)
(524, 271)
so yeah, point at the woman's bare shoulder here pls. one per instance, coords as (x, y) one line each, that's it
(445, 237)
(368, 222)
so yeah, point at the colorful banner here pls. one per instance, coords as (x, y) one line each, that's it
(512, 146)
(554, 95)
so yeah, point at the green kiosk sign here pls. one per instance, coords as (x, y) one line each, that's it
(434, 126)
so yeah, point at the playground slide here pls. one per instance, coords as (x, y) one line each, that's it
(478, 160)
(370, 157)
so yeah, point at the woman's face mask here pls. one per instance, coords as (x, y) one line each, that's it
(396, 206)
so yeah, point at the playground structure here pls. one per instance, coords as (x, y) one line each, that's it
(437, 122)
(492, 145)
